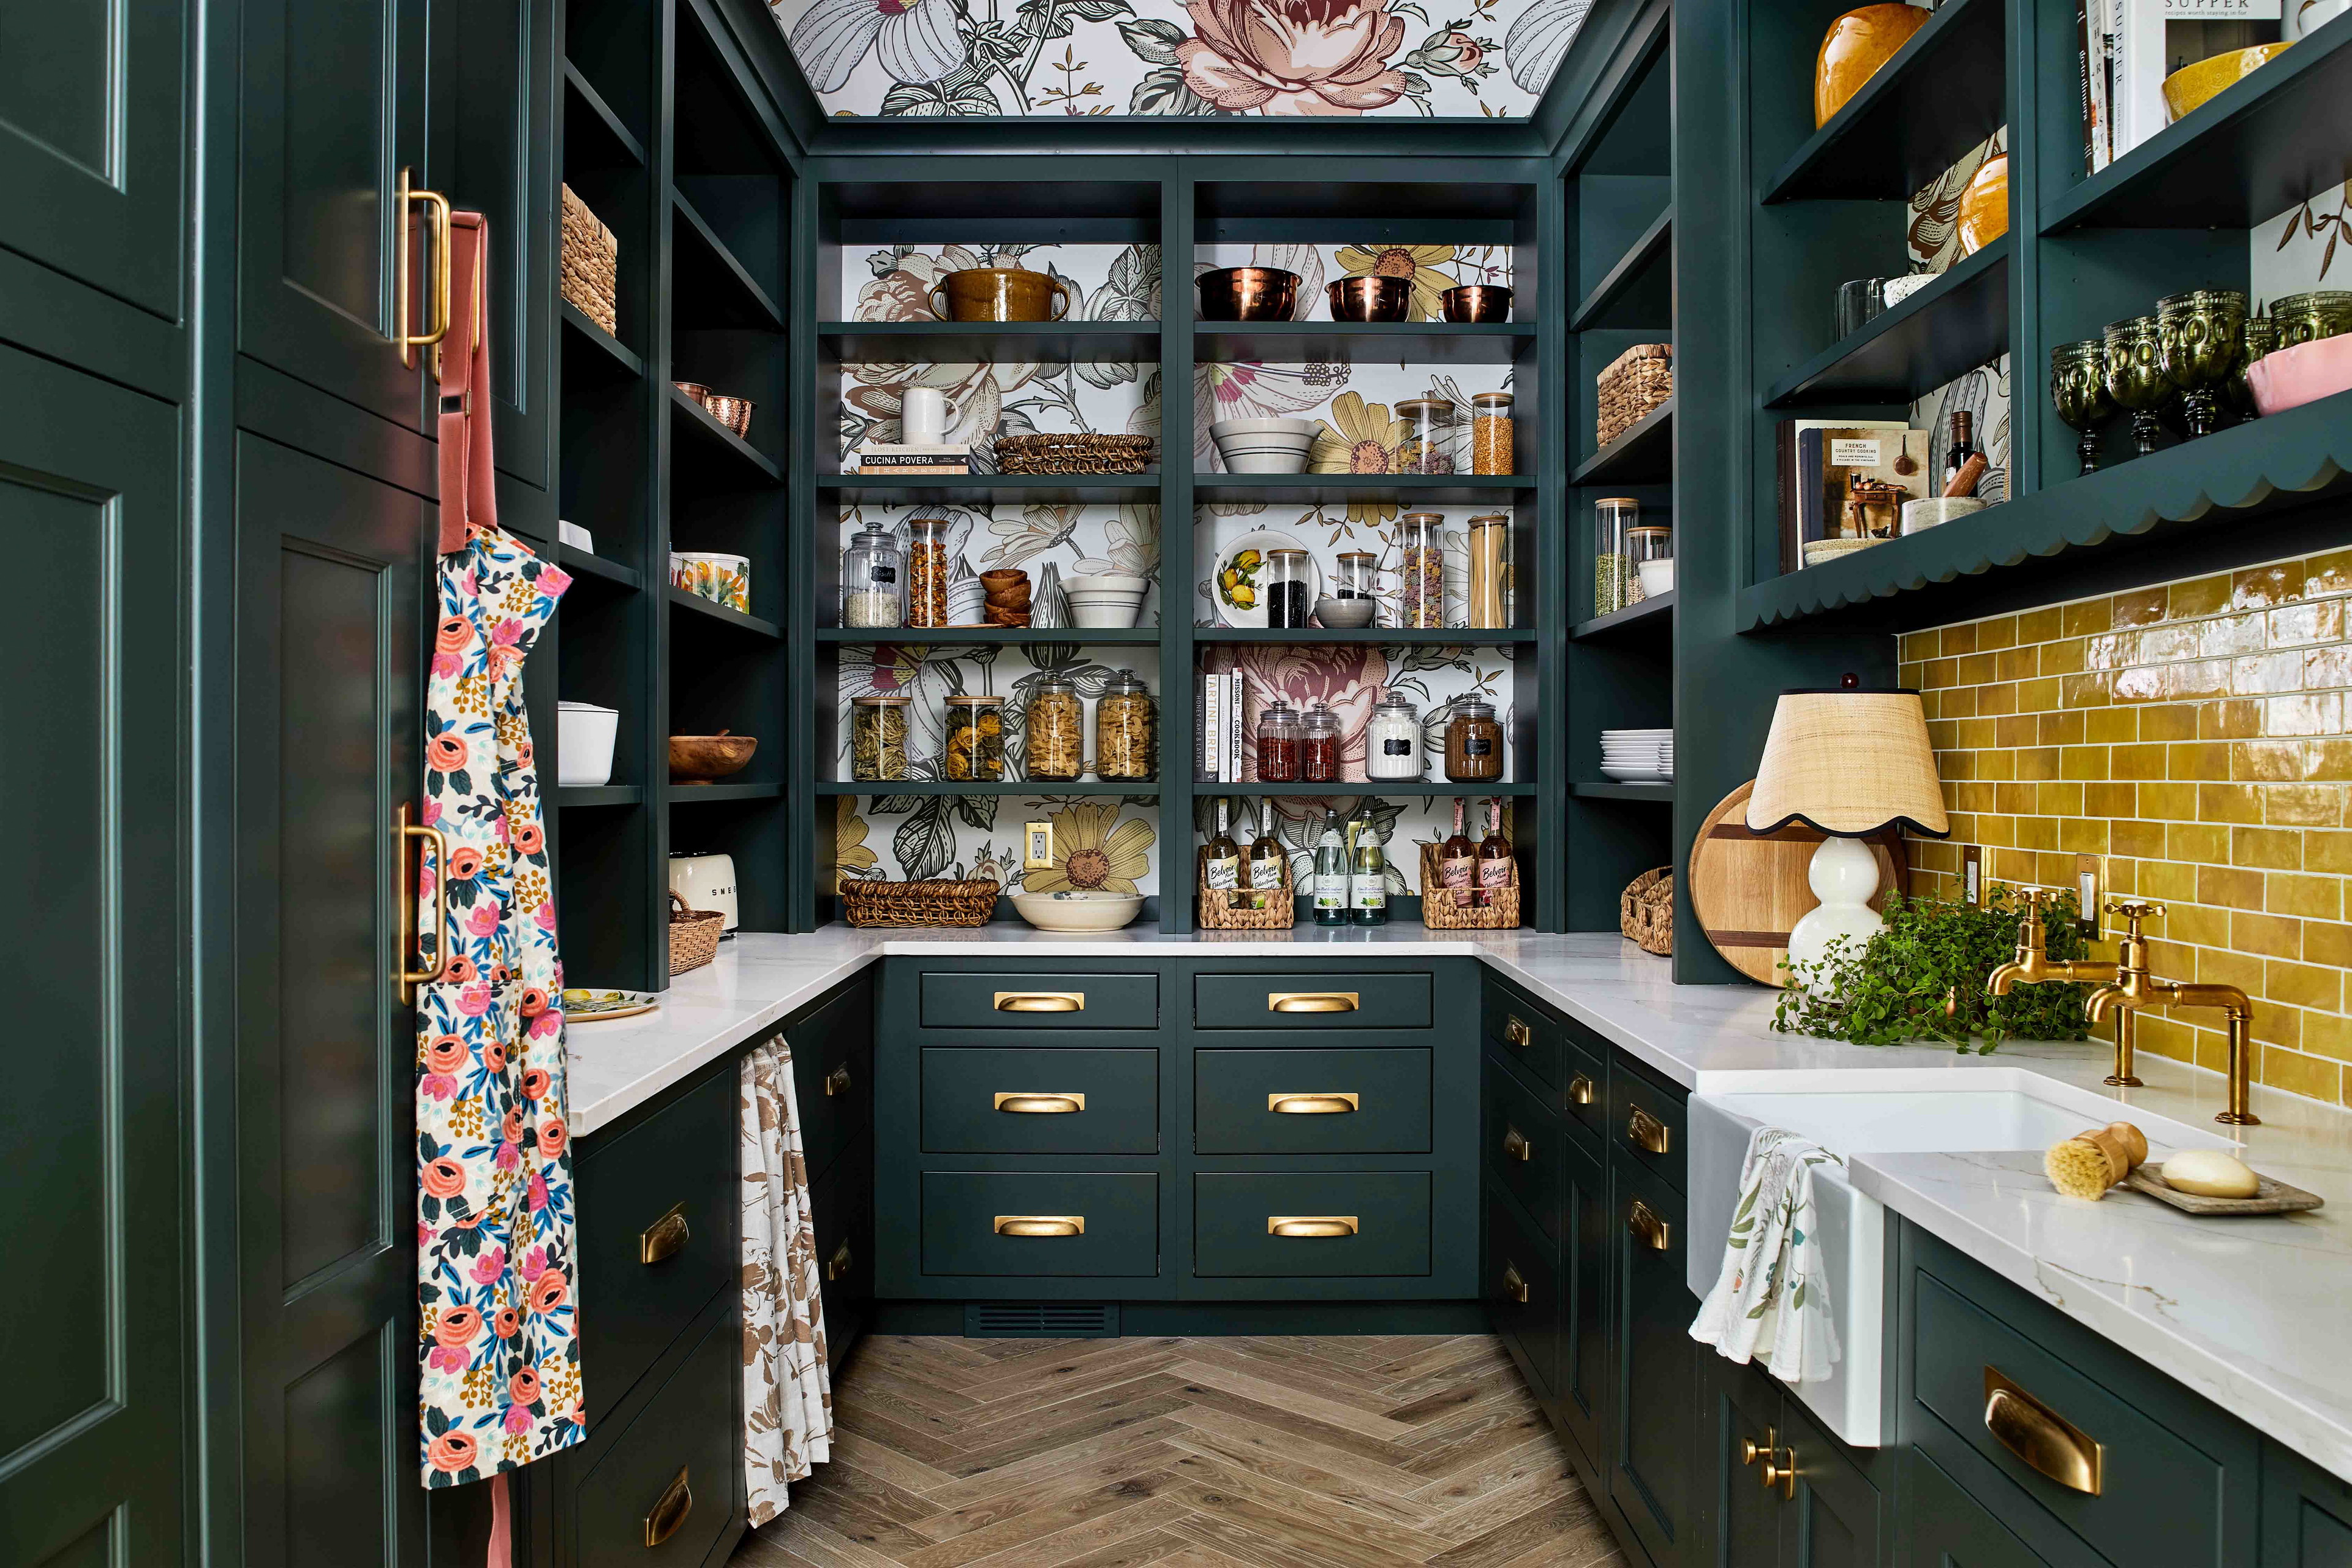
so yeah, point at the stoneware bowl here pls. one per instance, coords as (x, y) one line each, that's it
(1247, 294)
(1078, 910)
(1264, 446)
(2186, 89)
(1346, 615)
(1370, 298)
(1000, 294)
(1918, 516)
(1105, 603)
(698, 759)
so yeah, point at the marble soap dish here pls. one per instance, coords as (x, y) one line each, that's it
(2270, 1197)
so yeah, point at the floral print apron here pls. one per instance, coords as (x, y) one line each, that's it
(498, 1264)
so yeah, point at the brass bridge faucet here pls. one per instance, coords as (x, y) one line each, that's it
(2134, 988)
(2033, 964)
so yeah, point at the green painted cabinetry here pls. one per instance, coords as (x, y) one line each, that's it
(2306, 1513)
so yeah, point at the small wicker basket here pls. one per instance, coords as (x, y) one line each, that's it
(693, 935)
(1645, 911)
(591, 268)
(1074, 452)
(1216, 904)
(1636, 382)
(1440, 912)
(874, 902)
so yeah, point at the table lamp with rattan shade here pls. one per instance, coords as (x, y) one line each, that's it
(1847, 762)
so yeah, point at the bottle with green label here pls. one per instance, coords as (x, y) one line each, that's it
(1330, 874)
(1368, 880)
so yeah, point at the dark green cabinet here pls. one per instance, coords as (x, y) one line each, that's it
(1832, 1517)
(1944, 1527)
(1739, 1428)
(1586, 1349)
(2306, 1513)
(1655, 1366)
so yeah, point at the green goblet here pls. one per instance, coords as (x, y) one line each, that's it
(2078, 390)
(2135, 375)
(2201, 335)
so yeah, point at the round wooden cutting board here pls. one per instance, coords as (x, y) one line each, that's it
(1748, 889)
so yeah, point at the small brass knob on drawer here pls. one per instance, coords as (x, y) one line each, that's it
(1516, 1032)
(1310, 1001)
(1041, 1001)
(1041, 1224)
(1312, 1104)
(1037, 1102)
(1580, 1089)
(1515, 1145)
(666, 1238)
(1310, 1224)
(669, 1510)
(1514, 1286)
(838, 1264)
(837, 1081)
(2043, 1439)
(1646, 1131)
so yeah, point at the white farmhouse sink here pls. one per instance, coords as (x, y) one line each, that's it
(1896, 1110)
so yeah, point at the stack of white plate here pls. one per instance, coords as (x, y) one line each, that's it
(1638, 756)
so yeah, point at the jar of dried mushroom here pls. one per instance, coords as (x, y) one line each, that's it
(873, 581)
(1126, 730)
(928, 565)
(1433, 437)
(1056, 731)
(1491, 433)
(975, 744)
(1421, 570)
(1474, 743)
(878, 739)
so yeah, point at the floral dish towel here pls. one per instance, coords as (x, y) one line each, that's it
(1767, 1304)
(787, 1388)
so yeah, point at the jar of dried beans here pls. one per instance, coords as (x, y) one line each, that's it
(878, 739)
(1056, 731)
(975, 748)
(928, 565)
(1126, 731)
(1421, 570)
(1474, 743)
(1491, 433)
(1319, 746)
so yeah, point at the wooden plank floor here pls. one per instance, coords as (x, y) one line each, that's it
(1372, 1452)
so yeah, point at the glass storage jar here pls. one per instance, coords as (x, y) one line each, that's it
(1392, 740)
(1491, 434)
(975, 751)
(1421, 570)
(1433, 437)
(1277, 743)
(1357, 575)
(1474, 743)
(873, 581)
(877, 738)
(1289, 589)
(1651, 541)
(1319, 746)
(2306, 317)
(1490, 571)
(1056, 731)
(929, 561)
(1612, 518)
(1127, 743)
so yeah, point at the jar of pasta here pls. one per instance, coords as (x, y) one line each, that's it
(928, 565)
(1126, 731)
(1433, 437)
(975, 746)
(1491, 434)
(877, 738)
(1421, 570)
(1056, 731)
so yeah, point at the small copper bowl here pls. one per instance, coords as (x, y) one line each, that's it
(1247, 294)
(1371, 299)
(735, 412)
(1477, 302)
(694, 390)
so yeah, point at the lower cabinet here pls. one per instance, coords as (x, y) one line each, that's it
(2306, 1513)
(1944, 1527)
(660, 1485)
(1738, 1430)
(1830, 1515)
(1655, 1365)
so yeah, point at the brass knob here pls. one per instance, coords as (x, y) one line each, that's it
(1514, 1286)
(1310, 1001)
(1310, 1224)
(1580, 1089)
(1312, 1104)
(1041, 1001)
(1037, 1102)
(837, 1081)
(1646, 1131)
(1515, 1145)
(1516, 1032)
(663, 1239)
(1779, 1471)
(1041, 1224)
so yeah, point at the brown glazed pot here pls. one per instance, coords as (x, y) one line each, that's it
(1856, 45)
(1247, 294)
(1000, 294)
(1371, 299)
(1477, 302)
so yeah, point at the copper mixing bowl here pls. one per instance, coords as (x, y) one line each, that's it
(1477, 302)
(1247, 294)
(1371, 299)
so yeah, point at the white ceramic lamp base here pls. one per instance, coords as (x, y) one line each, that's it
(1843, 876)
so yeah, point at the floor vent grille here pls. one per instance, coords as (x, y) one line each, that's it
(1041, 1320)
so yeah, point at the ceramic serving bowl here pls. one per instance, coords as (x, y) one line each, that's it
(1657, 577)
(1247, 294)
(1346, 615)
(1077, 911)
(2189, 87)
(1918, 516)
(699, 759)
(1476, 302)
(1264, 446)
(1000, 294)
(1106, 602)
(1374, 298)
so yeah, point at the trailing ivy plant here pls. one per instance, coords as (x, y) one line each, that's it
(1922, 977)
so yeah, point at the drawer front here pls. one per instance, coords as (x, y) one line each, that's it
(1563, 1056)
(1344, 1101)
(833, 1076)
(1522, 1149)
(1049, 1099)
(1522, 1286)
(1239, 1220)
(1646, 1121)
(631, 1494)
(1311, 1001)
(660, 1215)
(1116, 1216)
(1040, 1000)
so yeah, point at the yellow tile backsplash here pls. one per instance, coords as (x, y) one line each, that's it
(2199, 736)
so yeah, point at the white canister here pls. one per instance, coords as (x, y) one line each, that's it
(706, 882)
(584, 735)
(923, 415)
(1393, 747)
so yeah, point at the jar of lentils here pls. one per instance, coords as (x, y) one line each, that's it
(1056, 731)
(1126, 731)
(878, 739)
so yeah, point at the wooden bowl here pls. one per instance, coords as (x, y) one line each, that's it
(699, 759)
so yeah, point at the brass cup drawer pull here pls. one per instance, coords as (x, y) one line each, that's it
(1312, 1104)
(1515, 1145)
(1645, 1223)
(1514, 1286)
(1310, 1001)
(666, 1238)
(1303, 1226)
(669, 1510)
(1036, 1102)
(1580, 1089)
(1516, 1033)
(838, 1264)
(837, 1081)
(1041, 1001)
(1646, 1131)
(1041, 1224)
(2043, 1439)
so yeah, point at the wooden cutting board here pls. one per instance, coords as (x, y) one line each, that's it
(1748, 889)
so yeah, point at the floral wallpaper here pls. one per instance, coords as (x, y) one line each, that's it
(1476, 59)
(2302, 249)
(1932, 238)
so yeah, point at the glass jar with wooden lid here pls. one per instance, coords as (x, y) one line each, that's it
(877, 738)
(1421, 570)
(1490, 571)
(975, 744)
(1612, 518)
(1650, 542)
(1127, 743)
(1491, 434)
(1433, 437)
(1056, 731)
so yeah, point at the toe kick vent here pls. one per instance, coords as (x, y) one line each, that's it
(1041, 1320)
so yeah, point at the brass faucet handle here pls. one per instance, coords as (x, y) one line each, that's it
(2134, 911)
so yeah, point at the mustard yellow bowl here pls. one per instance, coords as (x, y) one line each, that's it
(2190, 86)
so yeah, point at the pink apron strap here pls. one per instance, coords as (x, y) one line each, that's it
(501, 1526)
(462, 361)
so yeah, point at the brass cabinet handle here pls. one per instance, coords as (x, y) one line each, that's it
(838, 1264)
(1778, 1471)
(1515, 1032)
(1646, 1131)
(837, 1081)
(1310, 1224)
(411, 938)
(1515, 1145)
(1036, 1102)
(1580, 1089)
(1310, 1001)
(1041, 1001)
(1041, 1224)
(436, 287)
(669, 1510)
(1643, 1221)
(1515, 1284)
(2046, 1441)
(1312, 1104)
(666, 1238)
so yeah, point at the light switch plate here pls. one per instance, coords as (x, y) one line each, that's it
(2090, 880)
(1972, 874)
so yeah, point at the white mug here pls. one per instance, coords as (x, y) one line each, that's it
(2305, 16)
(923, 415)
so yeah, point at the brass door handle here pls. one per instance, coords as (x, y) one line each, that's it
(436, 287)
(1779, 1472)
(1041, 1001)
(1037, 1102)
(1643, 1221)
(1515, 1145)
(837, 1081)
(1310, 1224)
(1580, 1089)
(1310, 1001)
(411, 938)
(669, 1510)
(1515, 1284)
(838, 1264)
(1646, 1131)
(1515, 1032)
(666, 1238)
(1312, 1104)
(2041, 1438)
(1041, 1224)
(1749, 1452)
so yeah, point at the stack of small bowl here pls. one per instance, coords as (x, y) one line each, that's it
(1008, 591)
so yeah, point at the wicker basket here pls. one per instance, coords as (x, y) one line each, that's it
(592, 265)
(693, 935)
(1645, 911)
(874, 902)
(1440, 912)
(1217, 912)
(1636, 382)
(1074, 452)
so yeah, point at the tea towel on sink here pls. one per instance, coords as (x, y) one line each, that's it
(1769, 1303)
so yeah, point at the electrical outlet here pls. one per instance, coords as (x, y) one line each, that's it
(1972, 874)
(1038, 841)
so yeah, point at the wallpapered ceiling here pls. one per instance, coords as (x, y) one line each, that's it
(1488, 58)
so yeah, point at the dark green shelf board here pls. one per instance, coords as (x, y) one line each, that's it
(1654, 616)
(1610, 789)
(695, 421)
(975, 637)
(1370, 343)
(695, 604)
(1642, 455)
(1350, 789)
(2215, 489)
(1637, 293)
(589, 566)
(709, 288)
(1944, 330)
(593, 136)
(694, 794)
(984, 489)
(2246, 155)
(598, 794)
(1397, 489)
(975, 342)
(616, 356)
(1939, 95)
(1023, 787)
(1376, 637)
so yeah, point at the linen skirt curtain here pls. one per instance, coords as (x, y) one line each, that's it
(787, 1389)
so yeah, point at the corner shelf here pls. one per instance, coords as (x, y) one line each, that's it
(1654, 616)
(1376, 637)
(692, 794)
(710, 287)
(1939, 95)
(1401, 489)
(697, 422)
(958, 636)
(1610, 789)
(591, 130)
(1945, 329)
(597, 795)
(1388, 343)
(751, 626)
(618, 358)
(1023, 787)
(985, 489)
(1348, 789)
(972, 342)
(588, 565)
(1642, 455)
(1637, 292)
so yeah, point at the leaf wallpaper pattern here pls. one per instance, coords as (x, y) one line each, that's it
(1932, 239)
(2302, 249)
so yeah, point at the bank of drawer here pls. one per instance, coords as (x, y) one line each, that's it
(1646, 1121)
(635, 1489)
(1248, 1225)
(1561, 1055)
(1040, 1000)
(1522, 1287)
(974, 1223)
(1522, 1149)
(833, 1076)
(1362, 1100)
(1393, 1000)
(660, 1216)
(1047, 1099)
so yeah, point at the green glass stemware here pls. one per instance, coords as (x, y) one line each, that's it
(2201, 334)
(2078, 390)
(2135, 376)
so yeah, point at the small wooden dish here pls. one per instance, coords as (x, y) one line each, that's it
(699, 759)
(2270, 1197)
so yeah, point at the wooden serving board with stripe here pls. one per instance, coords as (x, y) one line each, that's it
(1748, 888)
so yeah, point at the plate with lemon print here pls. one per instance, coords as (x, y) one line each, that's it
(1239, 582)
(599, 1007)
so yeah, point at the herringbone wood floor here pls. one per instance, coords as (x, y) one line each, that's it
(1373, 1452)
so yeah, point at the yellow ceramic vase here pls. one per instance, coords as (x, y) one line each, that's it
(1984, 207)
(1856, 45)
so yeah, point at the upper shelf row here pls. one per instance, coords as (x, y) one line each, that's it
(1416, 342)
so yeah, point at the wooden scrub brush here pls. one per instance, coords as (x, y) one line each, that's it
(2088, 1164)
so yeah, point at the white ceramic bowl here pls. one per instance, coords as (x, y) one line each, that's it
(1264, 446)
(1346, 613)
(1657, 577)
(1077, 911)
(1108, 583)
(1226, 427)
(1113, 614)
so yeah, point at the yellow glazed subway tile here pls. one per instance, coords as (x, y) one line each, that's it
(2222, 635)
(2327, 668)
(2142, 683)
(1958, 639)
(2275, 1026)
(2173, 721)
(2303, 984)
(2198, 679)
(2169, 802)
(2228, 719)
(2303, 805)
(2141, 606)
(1943, 672)
(2067, 658)
(2269, 761)
(2205, 844)
(2165, 1035)
(2011, 731)
(2015, 866)
(2059, 799)
(2039, 695)
(2259, 587)
(1997, 765)
(2016, 799)
(2088, 689)
(2197, 596)
(2328, 574)
(2081, 836)
(2195, 760)
(1999, 632)
(1977, 735)
(2086, 617)
(2328, 1035)
(2085, 763)
(2037, 833)
(1976, 669)
(2171, 883)
(1978, 798)
(2271, 936)
(2037, 626)
(2313, 621)
(2267, 848)
(2110, 726)
(1997, 699)
(2111, 799)
(1955, 701)
(2299, 1074)
(2060, 729)
(2307, 899)
(1995, 832)
(2142, 840)
(2170, 645)
(2327, 941)
(2266, 674)
(2330, 758)
(2230, 802)
(2306, 713)
(2217, 966)
(2330, 852)
(2017, 664)
(1912, 647)
(1944, 735)
(2230, 887)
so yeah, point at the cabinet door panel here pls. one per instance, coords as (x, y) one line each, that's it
(1585, 1349)
(1833, 1520)
(2306, 1513)
(1649, 1479)
(1739, 1421)
(1943, 1527)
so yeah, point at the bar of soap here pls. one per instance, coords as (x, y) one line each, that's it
(2209, 1174)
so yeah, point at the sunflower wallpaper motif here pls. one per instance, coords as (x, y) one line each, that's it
(1465, 58)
